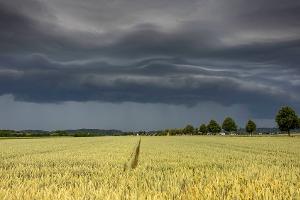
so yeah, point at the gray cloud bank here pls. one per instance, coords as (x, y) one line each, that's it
(166, 52)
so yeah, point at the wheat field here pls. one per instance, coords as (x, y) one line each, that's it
(181, 167)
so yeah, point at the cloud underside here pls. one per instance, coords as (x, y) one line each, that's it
(243, 54)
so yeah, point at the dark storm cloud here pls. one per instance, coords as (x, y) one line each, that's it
(19, 32)
(152, 81)
(56, 51)
(31, 28)
(268, 14)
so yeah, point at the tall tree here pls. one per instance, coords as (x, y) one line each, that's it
(189, 130)
(250, 127)
(287, 119)
(229, 125)
(203, 129)
(213, 127)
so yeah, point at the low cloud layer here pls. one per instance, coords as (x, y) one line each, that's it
(157, 52)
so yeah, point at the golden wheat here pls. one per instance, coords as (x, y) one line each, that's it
(186, 167)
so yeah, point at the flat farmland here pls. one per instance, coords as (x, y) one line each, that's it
(174, 167)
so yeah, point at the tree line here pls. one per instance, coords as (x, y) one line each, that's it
(286, 120)
(71, 133)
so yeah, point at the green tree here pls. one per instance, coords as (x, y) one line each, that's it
(196, 131)
(229, 125)
(203, 129)
(287, 119)
(167, 132)
(172, 132)
(250, 127)
(213, 127)
(188, 130)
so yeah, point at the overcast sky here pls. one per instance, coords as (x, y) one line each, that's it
(140, 64)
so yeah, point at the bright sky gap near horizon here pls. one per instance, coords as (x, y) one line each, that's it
(137, 64)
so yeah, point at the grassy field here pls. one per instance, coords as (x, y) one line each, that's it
(183, 167)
